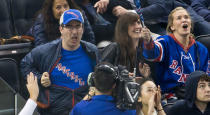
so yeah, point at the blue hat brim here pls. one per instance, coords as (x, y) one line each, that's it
(69, 20)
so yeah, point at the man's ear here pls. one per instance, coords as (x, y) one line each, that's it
(139, 99)
(61, 28)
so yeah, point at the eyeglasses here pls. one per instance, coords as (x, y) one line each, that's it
(70, 27)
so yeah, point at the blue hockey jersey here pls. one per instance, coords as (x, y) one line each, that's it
(174, 63)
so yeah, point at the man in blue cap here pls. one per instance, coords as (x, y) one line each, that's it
(62, 66)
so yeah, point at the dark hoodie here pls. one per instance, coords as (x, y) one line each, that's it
(187, 106)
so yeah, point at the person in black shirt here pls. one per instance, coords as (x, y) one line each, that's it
(197, 96)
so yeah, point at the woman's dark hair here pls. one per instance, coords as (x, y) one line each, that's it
(205, 77)
(51, 25)
(141, 81)
(127, 52)
(104, 76)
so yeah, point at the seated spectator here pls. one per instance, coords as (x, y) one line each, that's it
(126, 50)
(188, 2)
(46, 26)
(155, 13)
(110, 10)
(197, 96)
(62, 66)
(33, 90)
(202, 7)
(103, 103)
(176, 54)
(149, 102)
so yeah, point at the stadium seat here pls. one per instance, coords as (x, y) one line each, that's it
(6, 28)
(205, 40)
(24, 12)
(9, 72)
(17, 16)
(15, 51)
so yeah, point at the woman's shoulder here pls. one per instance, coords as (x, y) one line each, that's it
(110, 52)
(112, 46)
(39, 18)
(163, 37)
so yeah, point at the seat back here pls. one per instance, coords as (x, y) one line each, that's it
(17, 16)
(9, 72)
(15, 51)
(6, 26)
(24, 12)
(205, 40)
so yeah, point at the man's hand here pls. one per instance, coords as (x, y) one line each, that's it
(101, 6)
(119, 10)
(45, 80)
(32, 86)
(90, 93)
(144, 69)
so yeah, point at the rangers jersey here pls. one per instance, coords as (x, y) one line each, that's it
(174, 63)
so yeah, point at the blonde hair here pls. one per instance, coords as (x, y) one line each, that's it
(171, 18)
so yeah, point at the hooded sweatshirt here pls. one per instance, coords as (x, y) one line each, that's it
(187, 106)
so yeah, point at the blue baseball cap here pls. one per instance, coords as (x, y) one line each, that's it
(71, 14)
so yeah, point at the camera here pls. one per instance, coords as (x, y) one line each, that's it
(126, 92)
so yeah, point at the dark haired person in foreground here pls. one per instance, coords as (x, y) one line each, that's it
(102, 103)
(149, 101)
(197, 96)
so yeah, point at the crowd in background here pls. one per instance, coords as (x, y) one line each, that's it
(159, 49)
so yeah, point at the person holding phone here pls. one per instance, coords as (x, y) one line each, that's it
(177, 54)
(124, 51)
